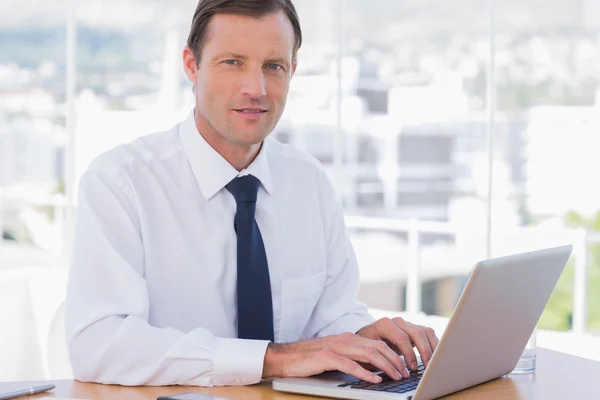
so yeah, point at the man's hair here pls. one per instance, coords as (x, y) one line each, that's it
(251, 8)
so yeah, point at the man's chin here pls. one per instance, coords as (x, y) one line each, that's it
(251, 138)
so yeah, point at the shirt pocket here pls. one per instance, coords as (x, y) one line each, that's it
(299, 296)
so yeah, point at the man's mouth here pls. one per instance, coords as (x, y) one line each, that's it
(251, 110)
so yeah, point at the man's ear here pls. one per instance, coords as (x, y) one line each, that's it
(190, 65)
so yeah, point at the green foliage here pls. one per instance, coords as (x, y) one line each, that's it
(558, 312)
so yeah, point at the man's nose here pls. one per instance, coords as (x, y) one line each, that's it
(254, 84)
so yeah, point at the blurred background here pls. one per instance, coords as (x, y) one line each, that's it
(452, 130)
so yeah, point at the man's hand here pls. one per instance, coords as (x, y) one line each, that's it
(402, 336)
(345, 353)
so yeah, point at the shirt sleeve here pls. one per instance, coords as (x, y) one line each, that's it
(107, 306)
(338, 309)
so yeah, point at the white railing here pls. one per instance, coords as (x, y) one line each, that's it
(414, 229)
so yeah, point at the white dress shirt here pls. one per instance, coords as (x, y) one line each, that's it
(151, 298)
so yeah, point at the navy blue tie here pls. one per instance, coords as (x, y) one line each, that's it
(254, 301)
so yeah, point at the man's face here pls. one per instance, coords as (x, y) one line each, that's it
(243, 76)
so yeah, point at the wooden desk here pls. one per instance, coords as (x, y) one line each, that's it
(558, 377)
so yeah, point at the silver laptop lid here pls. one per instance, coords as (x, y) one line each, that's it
(498, 310)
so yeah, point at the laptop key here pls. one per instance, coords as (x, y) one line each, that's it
(402, 386)
(388, 384)
(400, 389)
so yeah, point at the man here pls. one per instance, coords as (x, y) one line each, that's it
(211, 255)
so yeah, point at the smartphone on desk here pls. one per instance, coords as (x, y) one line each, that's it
(190, 396)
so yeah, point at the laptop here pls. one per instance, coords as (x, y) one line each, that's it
(495, 315)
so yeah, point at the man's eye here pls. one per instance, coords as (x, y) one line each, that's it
(230, 62)
(274, 67)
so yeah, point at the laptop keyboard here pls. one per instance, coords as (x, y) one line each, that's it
(389, 385)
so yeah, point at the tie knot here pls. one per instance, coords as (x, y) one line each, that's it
(244, 189)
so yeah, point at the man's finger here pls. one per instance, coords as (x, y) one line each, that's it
(418, 337)
(392, 357)
(351, 367)
(431, 336)
(370, 354)
(389, 331)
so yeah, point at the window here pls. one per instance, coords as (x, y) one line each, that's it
(397, 99)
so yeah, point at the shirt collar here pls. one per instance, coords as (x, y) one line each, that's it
(211, 170)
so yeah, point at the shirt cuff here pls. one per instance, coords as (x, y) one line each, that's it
(239, 361)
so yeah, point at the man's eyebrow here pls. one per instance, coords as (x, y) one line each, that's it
(231, 55)
(271, 60)
(278, 60)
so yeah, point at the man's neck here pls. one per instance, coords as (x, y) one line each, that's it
(240, 156)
